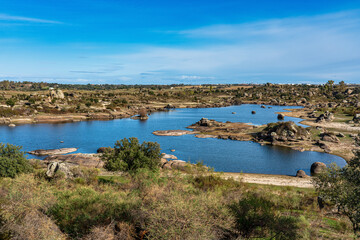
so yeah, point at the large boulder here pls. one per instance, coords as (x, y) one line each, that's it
(178, 164)
(301, 174)
(281, 116)
(54, 167)
(57, 94)
(317, 168)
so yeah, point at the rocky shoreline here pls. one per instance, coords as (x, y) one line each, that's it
(130, 112)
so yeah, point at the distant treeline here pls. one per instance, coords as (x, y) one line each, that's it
(38, 86)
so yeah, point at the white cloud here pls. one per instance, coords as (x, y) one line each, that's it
(324, 47)
(11, 18)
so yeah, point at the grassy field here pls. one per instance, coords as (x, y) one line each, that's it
(150, 205)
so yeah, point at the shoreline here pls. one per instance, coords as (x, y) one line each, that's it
(112, 115)
(257, 178)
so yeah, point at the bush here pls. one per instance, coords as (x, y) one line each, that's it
(130, 155)
(77, 211)
(13, 161)
(256, 217)
(11, 102)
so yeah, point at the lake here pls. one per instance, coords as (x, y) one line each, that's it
(222, 155)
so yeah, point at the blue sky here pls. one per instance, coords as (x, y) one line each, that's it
(191, 42)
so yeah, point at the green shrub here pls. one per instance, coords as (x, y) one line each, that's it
(129, 155)
(257, 217)
(13, 161)
(11, 102)
(77, 211)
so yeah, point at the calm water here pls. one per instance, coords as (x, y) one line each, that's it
(223, 155)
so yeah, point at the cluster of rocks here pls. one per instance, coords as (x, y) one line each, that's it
(325, 117)
(315, 169)
(283, 131)
(171, 162)
(204, 122)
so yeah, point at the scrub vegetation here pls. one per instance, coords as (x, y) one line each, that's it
(151, 203)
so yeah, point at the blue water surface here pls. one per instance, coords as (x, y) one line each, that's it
(222, 155)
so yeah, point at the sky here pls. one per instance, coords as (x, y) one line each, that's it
(175, 42)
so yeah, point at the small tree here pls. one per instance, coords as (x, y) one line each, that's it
(130, 155)
(12, 161)
(10, 102)
(341, 186)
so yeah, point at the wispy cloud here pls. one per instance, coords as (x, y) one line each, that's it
(11, 18)
(294, 49)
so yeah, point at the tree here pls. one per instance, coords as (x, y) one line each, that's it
(130, 155)
(88, 104)
(12, 161)
(341, 186)
(11, 102)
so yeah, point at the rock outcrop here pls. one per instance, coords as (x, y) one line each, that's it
(283, 131)
(204, 122)
(329, 137)
(57, 94)
(326, 117)
(79, 159)
(44, 152)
